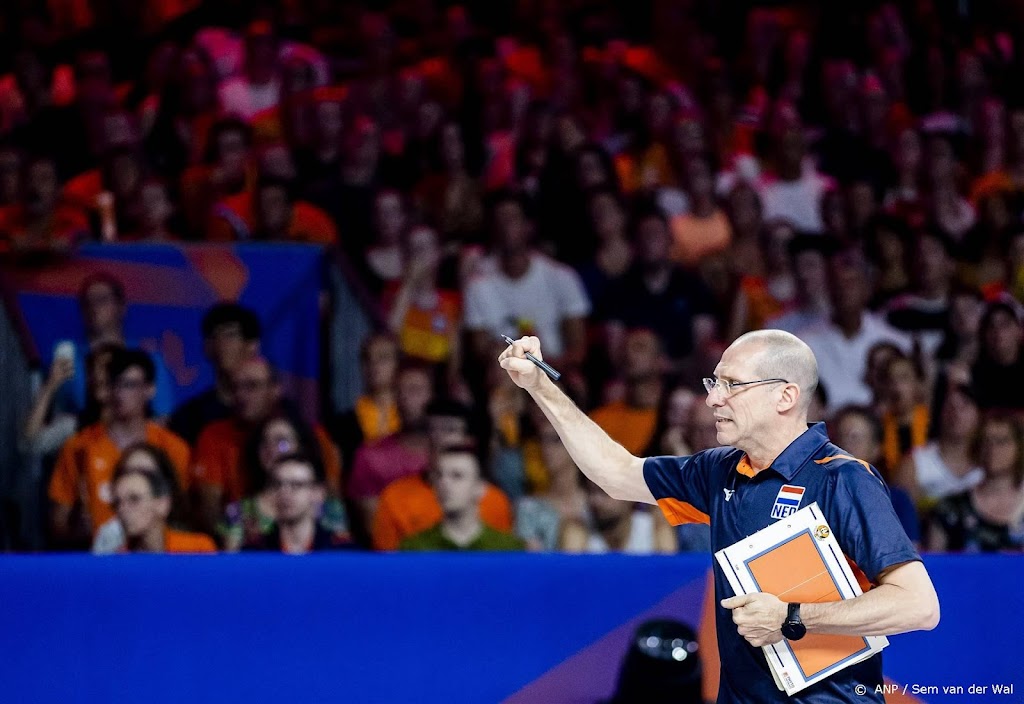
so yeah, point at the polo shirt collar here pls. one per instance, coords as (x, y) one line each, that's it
(793, 457)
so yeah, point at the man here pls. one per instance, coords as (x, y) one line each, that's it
(808, 255)
(142, 499)
(794, 191)
(85, 467)
(410, 505)
(760, 394)
(101, 299)
(525, 291)
(231, 335)
(658, 294)
(841, 346)
(259, 88)
(298, 486)
(217, 468)
(459, 486)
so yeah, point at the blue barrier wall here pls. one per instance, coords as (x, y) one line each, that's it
(395, 628)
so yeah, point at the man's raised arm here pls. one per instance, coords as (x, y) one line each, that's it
(604, 461)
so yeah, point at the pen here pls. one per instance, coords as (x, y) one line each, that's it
(544, 367)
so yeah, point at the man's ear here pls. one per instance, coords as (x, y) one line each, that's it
(163, 506)
(790, 398)
(150, 391)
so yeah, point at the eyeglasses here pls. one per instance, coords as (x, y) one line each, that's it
(129, 500)
(727, 387)
(130, 384)
(277, 484)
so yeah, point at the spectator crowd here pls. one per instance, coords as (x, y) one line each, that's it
(636, 183)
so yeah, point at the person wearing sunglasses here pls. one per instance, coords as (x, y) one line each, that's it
(770, 464)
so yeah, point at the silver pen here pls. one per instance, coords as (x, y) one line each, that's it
(544, 366)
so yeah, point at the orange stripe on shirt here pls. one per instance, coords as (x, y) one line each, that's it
(678, 512)
(826, 460)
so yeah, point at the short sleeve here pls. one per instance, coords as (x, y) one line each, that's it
(865, 523)
(681, 486)
(572, 297)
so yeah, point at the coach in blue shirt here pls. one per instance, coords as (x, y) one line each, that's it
(771, 465)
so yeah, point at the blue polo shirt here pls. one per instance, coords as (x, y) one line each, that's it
(719, 487)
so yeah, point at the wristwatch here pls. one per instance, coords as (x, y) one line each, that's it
(793, 628)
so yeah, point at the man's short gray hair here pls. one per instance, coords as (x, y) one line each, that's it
(782, 355)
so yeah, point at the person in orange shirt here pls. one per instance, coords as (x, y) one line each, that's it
(705, 230)
(217, 467)
(85, 468)
(271, 212)
(42, 219)
(409, 505)
(631, 421)
(144, 491)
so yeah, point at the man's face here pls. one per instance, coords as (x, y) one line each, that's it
(960, 415)
(137, 509)
(381, 363)
(233, 152)
(100, 308)
(811, 274)
(850, 291)
(390, 216)
(902, 383)
(653, 240)
(226, 347)
(457, 483)
(413, 394)
(641, 355)
(129, 394)
(297, 495)
(256, 392)
(275, 212)
(512, 231)
(156, 205)
(41, 187)
(747, 412)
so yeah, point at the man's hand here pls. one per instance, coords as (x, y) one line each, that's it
(758, 617)
(523, 372)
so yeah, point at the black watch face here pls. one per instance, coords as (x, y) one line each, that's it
(793, 630)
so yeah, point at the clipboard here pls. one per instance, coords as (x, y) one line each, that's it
(799, 560)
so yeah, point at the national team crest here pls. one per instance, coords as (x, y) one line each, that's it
(788, 501)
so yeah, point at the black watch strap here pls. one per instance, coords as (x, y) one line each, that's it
(793, 613)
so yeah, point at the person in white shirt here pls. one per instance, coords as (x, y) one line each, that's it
(259, 88)
(523, 292)
(841, 346)
(946, 465)
(794, 191)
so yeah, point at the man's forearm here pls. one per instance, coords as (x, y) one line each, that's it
(604, 461)
(886, 610)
